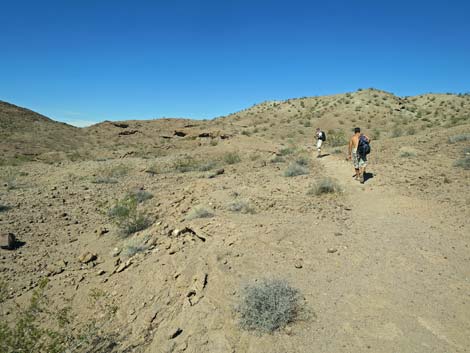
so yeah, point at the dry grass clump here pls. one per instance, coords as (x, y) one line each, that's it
(241, 206)
(298, 167)
(135, 246)
(199, 212)
(268, 305)
(336, 138)
(325, 186)
(463, 163)
(406, 152)
(232, 158)
(110, 175)
(459, 138)
(140, 195)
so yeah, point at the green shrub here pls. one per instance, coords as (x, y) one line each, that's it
(325, 186)
(286, 151)
(185, 164)
(295, 169)
(411, 130)
(140, 195)
(27, 333)
(4, 208)
(336, 138)
(199, 212)
(127, 217)
(232, 158)
(376, 134)
(268, 306)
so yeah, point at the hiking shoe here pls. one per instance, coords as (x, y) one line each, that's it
(361, 178)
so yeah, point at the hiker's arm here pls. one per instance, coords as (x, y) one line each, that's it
(350, 148)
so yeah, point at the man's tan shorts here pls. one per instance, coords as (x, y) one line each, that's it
(357, 161)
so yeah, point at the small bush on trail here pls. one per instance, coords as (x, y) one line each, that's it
(4, 208)
(325, 186)
(268, 306)
(199, 212)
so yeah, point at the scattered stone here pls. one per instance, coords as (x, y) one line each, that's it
(7, 241)
(298, 264)
(101, 230)
(115, 252)
(123, 266)
(87, 257)
(332, 250)
(176, 333)
(338, 234)
(101, 272)
(215, 173)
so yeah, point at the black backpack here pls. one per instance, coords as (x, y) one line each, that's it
(364, 147)
(323, 136)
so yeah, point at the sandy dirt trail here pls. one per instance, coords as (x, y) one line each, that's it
(406, 282)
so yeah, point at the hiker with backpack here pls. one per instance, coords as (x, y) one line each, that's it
(321, 137)
(358, 150)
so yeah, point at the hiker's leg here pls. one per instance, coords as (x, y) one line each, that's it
(356, 164)
(363, 165)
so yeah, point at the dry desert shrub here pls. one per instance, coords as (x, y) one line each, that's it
(199, 212)
(406, 152)
(459, 138)
(232, 158)
(134, 246)
(300, 166)
(110, 175)
(325, 186)
(241, 206)
(268, 306)
(463, 163)
(140, 195)
(337, 138)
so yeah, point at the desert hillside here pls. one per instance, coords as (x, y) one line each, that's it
(26, 135)
(153, 236)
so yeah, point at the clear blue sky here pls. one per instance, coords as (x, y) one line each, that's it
(83, 61)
